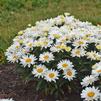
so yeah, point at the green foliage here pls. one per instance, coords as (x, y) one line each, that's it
(24, 72)
(82, 65)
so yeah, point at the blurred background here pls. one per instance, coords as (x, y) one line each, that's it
(15, 15)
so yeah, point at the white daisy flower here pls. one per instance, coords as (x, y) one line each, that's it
(93, 55)
(18, 38)
(64, 29)
(16, 45)
(45, 27)
(97, 65)
(24, 51)
(13, 48)
(69, 20)
(64, 39)
(43, 42)
(39, 71)
(51, 75)
(69, 74)
(100, 96)
(80, 43)
(46, 57)
(90, 94)
(59, 20)
(64, 64)
(60, 47)
(65, 47)
(97, 71)
(31, 32)
(55, 34)
(28, 60)
(13, 57)
(89, 80)
(55, 48)
(6, 100)
(78, 52)
(28, 43)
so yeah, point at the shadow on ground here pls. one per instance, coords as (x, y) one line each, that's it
(11, 86)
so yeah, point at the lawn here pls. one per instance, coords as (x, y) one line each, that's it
(15, 15)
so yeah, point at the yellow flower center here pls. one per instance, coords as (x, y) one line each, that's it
(63, 40)
(63, 46)
(57, 46)
(15, 57)
(91, 94)
(65, 65)
(45, 34)
(45, 43)
(81, 42)
(20, 41)
(85, 38)
(28, 60)
(56, 36)
(77, 52)
(46, 57)
(40, 70)
(98, 47)
(30, 44)
(69, 73)
(99, 71)
(87, 35)
(17, 47)
(51, 75)
(68, 49)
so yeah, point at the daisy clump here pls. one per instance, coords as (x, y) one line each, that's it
(61, 55)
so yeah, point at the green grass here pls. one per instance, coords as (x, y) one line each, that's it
(15, 15)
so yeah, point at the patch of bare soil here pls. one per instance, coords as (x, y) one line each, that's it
(12, 86)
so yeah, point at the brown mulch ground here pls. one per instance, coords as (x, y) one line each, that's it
(11, 86)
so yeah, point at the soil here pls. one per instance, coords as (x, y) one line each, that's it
(12, 86)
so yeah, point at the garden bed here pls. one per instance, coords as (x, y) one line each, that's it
(12, 86)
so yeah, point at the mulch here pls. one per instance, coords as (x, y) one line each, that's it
(12, 86)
